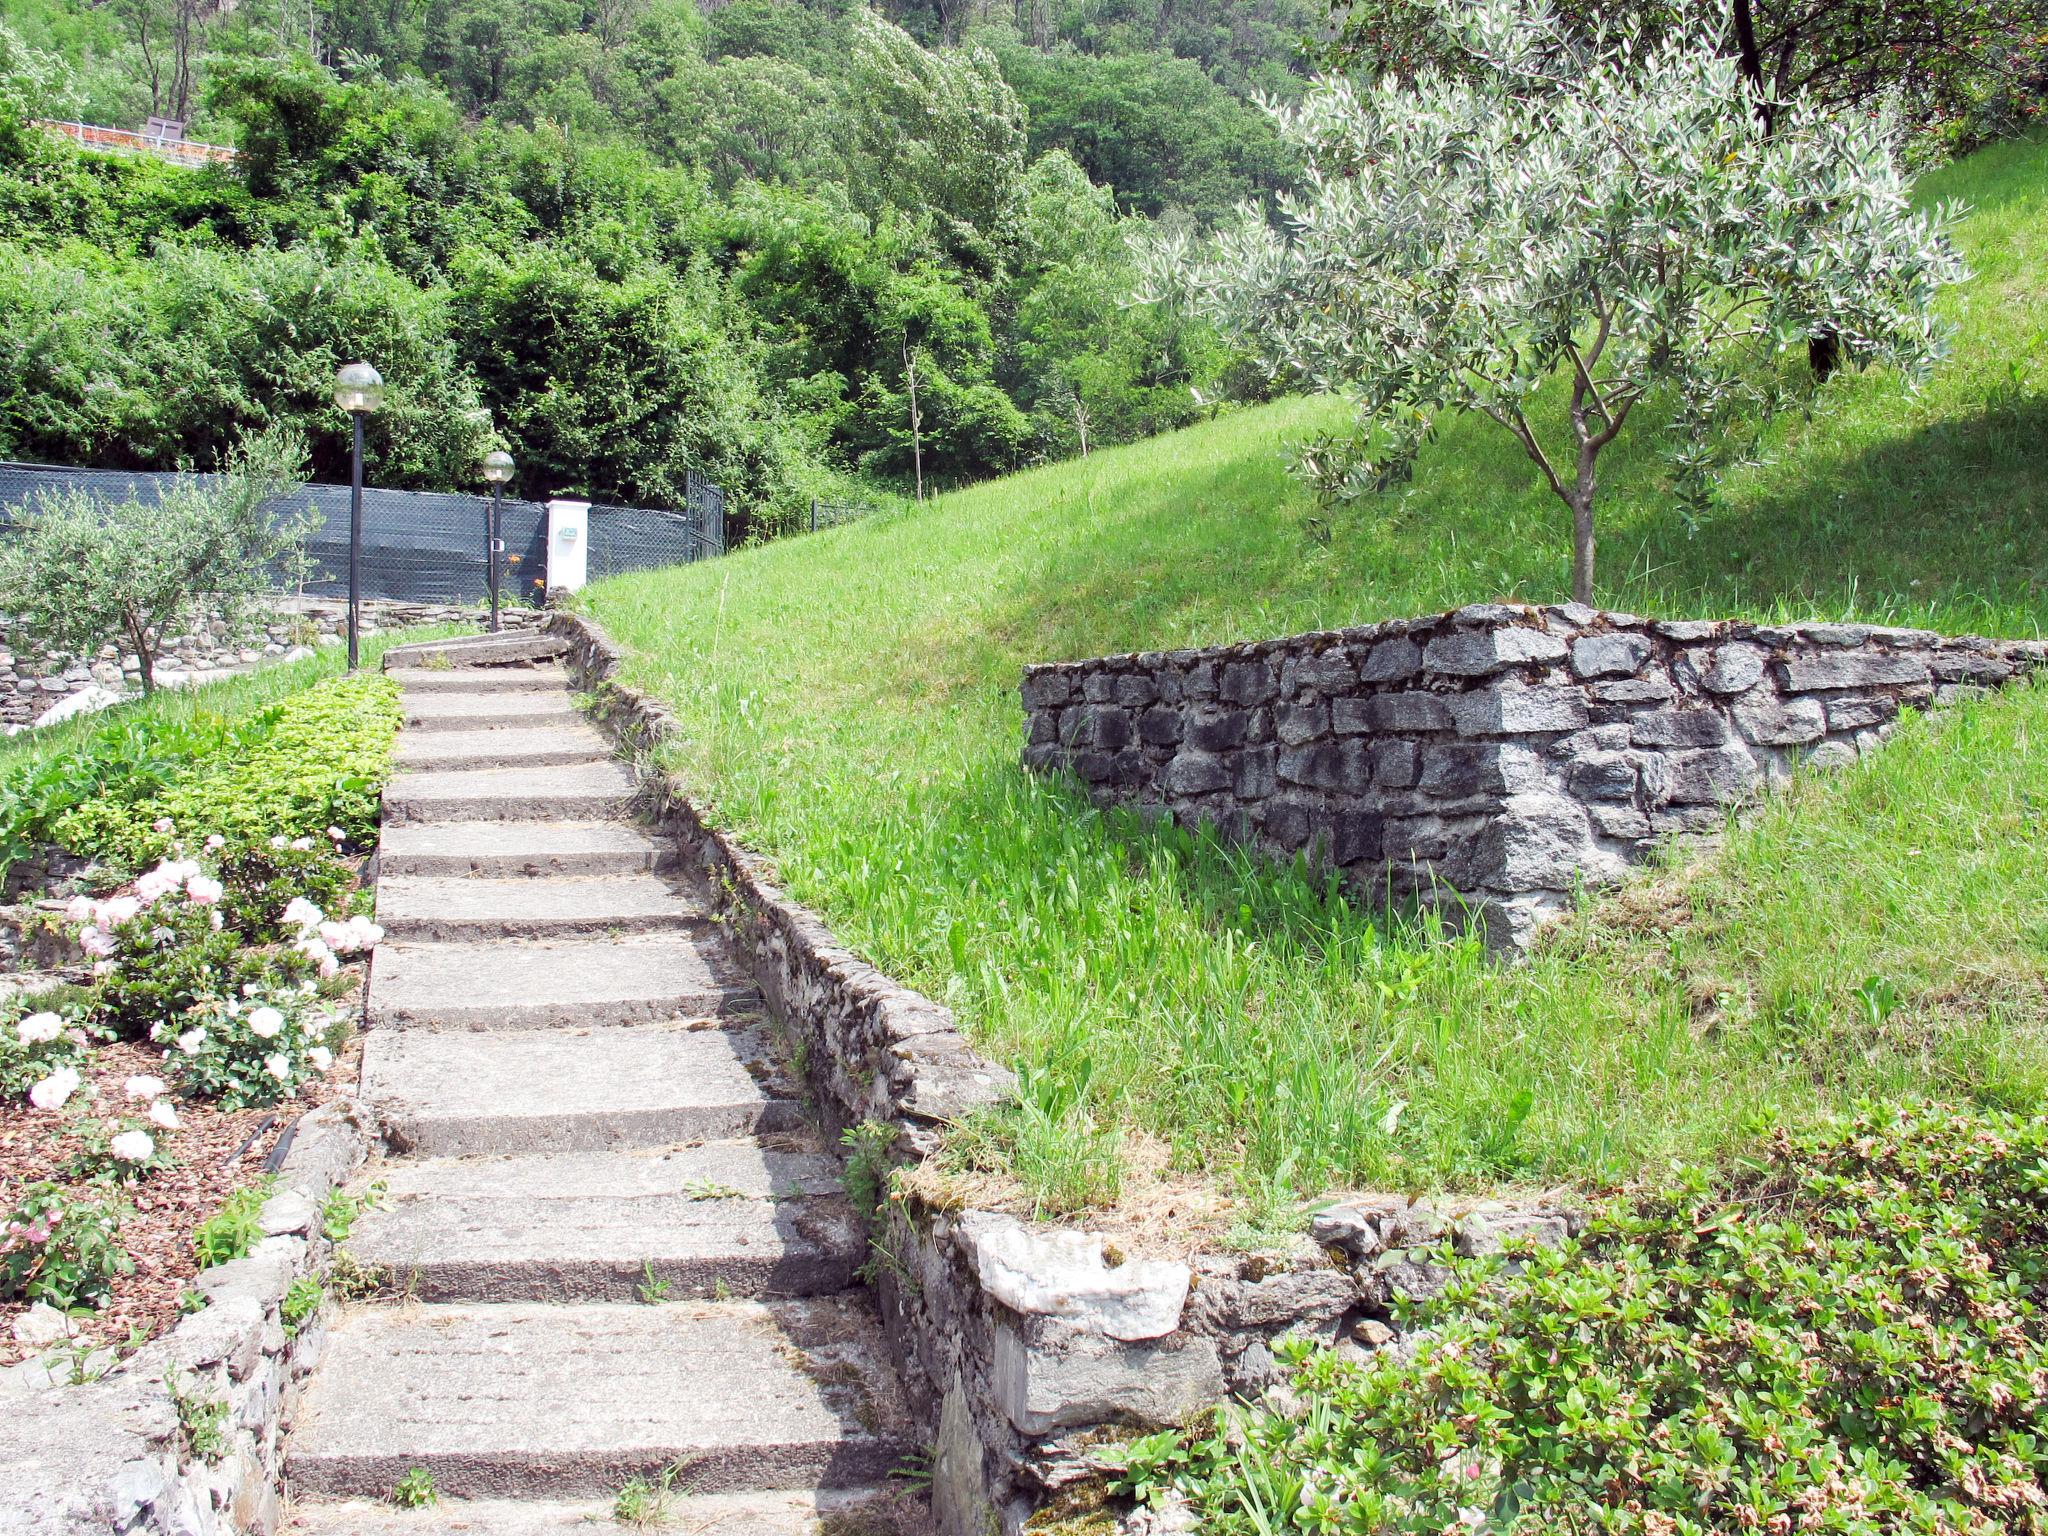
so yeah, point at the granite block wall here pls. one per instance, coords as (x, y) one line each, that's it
(1492, 759)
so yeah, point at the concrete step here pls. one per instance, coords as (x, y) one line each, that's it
(505, 747)
(460, 907)
(594, 1226)
(847, 1511)
(536, 983)
(500, 849)
(486, 650)
(474, 711)
(533, 679)
(532, 1399)
(583, 792)
(445, 1094)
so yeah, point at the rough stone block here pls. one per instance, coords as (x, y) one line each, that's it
(1327, 766)
(1851, 669)
(1159, 726)
(1511, 709)
(1623, 822)
(1458, 770)
(1218, 732)
(1480, 653)
(1060, 1377)
(1257, 773)
(1849, 712)
(1133, 691)
(1733, 668)
(1679, 728)
(1653, 689)
(1109, 728)
(1604, 776)
(1719, 776)
(1247, 682)
(1046, 690)
(1770, 720)
(1392, 661)
(1395, 764)
(1537, 842)
(1041, 728)
(1295, 723)
(1609, 655)
(1195, 773)
(1964, 667)
(1687, 631)
(1405, 712)
(1099, 688)
(1357, 837)
(1329, 673)
(1287, 824)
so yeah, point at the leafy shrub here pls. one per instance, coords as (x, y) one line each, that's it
(33, 1044)
(120, 1151)
(313, 761)
(1845, 1336)
(158, 964)
(61, 1249)
(230, 1232)
(255, 1049)
(300, 1302)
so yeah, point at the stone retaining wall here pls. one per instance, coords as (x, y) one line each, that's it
(110, 1457)
(1024, 1346)
(1492, 759)
(32, 681)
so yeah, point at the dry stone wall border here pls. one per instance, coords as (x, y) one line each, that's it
(1023, 1346)
(109, 1456)
(1491, 759)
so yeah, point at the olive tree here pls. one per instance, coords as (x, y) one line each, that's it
(1556, 230)
(77, 571)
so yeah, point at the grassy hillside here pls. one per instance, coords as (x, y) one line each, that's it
(852, 702)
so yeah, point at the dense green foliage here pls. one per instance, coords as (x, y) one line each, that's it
(851, 703)
(1843, 1335)
(626, 239)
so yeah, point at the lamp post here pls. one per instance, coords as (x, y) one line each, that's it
(359, 390)
(497, 470)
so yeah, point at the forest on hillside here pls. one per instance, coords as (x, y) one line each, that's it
(808, 247)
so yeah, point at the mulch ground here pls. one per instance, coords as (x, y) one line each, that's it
(217, 1151)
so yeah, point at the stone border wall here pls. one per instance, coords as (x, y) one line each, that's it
(30, 683)
(110, 1456)
(1492, 759)
(1024, 1346)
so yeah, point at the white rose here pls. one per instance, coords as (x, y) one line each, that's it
(143, 1087)
(278, 1067)
(54, 1090)
(204, 892)
(190, 1041)
(215, 841)
(39, 1027)
(321, 1057)
(264, 1023)
(161, 1113)
(133, 1146)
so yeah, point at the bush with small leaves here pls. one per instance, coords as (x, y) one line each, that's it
(61, 1248)
(230, 1232)
(1844, 1335)
(256, 1049)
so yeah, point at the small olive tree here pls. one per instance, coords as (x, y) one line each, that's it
(1608, 209)
(77, 572)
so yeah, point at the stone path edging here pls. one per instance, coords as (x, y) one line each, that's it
(1017, 1343)
(108, 1457)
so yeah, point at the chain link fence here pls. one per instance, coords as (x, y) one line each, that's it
(425, 546)
(830, 514)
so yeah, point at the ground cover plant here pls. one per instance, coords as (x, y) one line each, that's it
(202, 998)
(1842, 1333)
(850, 703)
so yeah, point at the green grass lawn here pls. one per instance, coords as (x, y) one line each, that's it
(851, 699)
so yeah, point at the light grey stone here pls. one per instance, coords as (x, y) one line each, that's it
(1852, 669)
(1609, 655)
(1480, 653)
(1772, 721)
(1063, 1377)
(1195, 773)
(1049, 1272)
(1733, 668)
(1512, 709)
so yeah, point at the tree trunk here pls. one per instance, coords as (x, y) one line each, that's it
(1582, 545)
(916, 421)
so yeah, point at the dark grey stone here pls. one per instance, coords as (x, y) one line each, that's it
(1509, 709)
(1257, 773)
(1330, 673)
(1635, 690)
(1849, 712)
(1604, 776)
(1159, 726)
(1247, 682)
(1718, 776)
(1043, 690)
(1099, 688)
(1326, 766)
(1609, 655)
(1772, 721)
(1733, 668)
(1480, 653)
(1542, 843)
(1295, 723)
(1408, 712)
(1457, 770)
(1394, 764)
(1218, 733)
(1392, 661)
(1358, 838)
(1133, 691)
(1196, 773)
(1110, 728)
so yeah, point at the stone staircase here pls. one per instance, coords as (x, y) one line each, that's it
(612, 1245)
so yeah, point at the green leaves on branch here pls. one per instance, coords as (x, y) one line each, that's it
(1568, 224)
